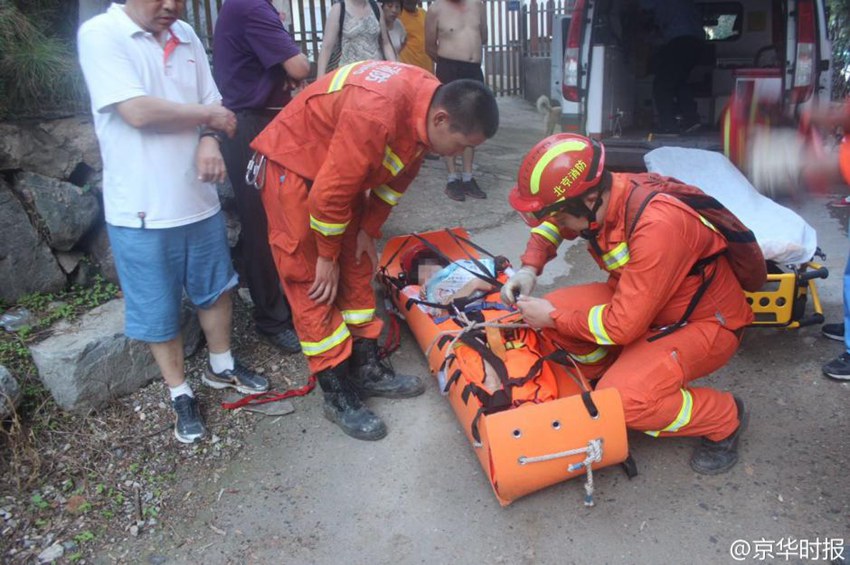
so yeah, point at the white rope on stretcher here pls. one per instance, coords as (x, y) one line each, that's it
(469, 325)
(593, 452)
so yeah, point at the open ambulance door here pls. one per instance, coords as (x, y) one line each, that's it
(807, 75)
(576, 66)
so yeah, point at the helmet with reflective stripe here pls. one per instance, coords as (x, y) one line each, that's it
(561, 167)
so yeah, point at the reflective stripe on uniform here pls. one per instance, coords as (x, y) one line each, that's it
(550, 232)
(709, 224)
(617, 257)
(547, 157)
(596, 327)
(593, 357)
(387, 194)
(339, 335)
(682, 419)
(392, 162)
(358, 317)
(326, 228)
(339, 78)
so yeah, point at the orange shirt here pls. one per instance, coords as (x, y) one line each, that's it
(414, 50)
(361, 128)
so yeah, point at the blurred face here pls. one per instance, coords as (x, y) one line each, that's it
(391, 10)
(154, 16)
(410, 5)
(444, 140)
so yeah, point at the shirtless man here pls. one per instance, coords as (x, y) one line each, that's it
(455, 32)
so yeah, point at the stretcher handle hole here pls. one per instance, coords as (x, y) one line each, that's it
(517, 433)
(556, 425)
(764, 301)
(780, 301)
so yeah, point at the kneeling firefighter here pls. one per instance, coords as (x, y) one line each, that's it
(332, 165)
(671, 311)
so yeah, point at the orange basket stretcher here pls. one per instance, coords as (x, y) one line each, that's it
(525, 446)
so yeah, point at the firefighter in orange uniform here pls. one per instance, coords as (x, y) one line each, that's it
(632, 332)
(332, 165)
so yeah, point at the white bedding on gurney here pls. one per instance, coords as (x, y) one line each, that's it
(784, 237)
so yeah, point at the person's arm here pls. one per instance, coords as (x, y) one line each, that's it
(482, 23)
(150, 112)
(653, 275)
(329, 39)
(273, 45)
(386, 44)
(355, 150)
(114, 84)
(384, 198)
(831, 116)
(431, 44)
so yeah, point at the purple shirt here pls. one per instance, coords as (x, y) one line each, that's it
(249, 45)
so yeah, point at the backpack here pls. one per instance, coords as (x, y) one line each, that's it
(743, 251)
(333, 61)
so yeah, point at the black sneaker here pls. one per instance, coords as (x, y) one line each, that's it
(833, 331)
(838, 368)
(242, 379)
(471, 189)
(454, 190)
(189, 426)
(287, 340)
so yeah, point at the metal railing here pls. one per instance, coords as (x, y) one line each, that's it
(516, 29)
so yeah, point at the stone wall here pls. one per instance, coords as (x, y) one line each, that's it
(52, 232)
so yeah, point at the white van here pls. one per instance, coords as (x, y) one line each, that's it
(601, 76)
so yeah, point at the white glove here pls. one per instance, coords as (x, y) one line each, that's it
(521, 282)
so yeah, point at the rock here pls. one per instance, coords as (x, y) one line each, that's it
(54, 148)
(234, 229)
(10, 393)
(100, 252)
(51, 554)
(16, 318)
(68, 260)
(26, 263)
(88, 362)
(134, 530)
(67, 211)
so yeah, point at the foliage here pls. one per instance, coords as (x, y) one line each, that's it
(839, 32)
(38, 70)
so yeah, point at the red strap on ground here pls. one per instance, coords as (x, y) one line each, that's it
(271, 396)
(393, 339)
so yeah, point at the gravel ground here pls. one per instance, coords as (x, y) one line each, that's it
(73, 487)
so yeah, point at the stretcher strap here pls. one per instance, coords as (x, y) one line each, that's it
(488, 278)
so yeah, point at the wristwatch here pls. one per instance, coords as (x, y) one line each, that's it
(213, 133)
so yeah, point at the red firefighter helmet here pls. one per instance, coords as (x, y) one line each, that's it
(562, 166)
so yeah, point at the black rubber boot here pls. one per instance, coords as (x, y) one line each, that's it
(344, 407)
(715, 457)
(373, 377)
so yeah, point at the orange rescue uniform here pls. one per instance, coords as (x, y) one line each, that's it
(606, 326)
(339, 158)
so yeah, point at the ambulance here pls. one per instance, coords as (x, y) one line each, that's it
(774, 51)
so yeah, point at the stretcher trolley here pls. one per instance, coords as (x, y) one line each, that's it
(531, 418)
(788, 242)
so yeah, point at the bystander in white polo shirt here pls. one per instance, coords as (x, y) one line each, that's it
(149, 177)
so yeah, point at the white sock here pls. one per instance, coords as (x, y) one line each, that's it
(180, 390)
(466, 177)
(221, 361)
(453, 176)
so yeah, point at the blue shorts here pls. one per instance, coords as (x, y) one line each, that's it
(155, 266)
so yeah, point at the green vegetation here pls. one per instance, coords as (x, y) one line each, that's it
(39, 74)
(839, 32)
